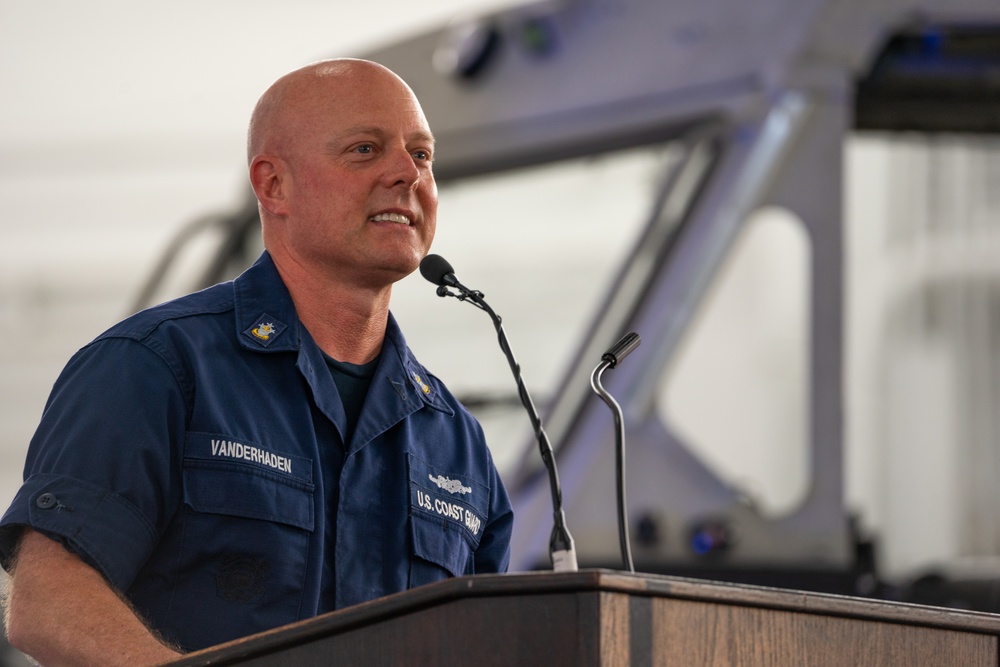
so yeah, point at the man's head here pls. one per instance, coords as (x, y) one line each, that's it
(340, 160)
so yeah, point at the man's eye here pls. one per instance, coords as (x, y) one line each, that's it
(365, 149)
(422, 155)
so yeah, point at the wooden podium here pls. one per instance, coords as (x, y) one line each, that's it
(601, 617)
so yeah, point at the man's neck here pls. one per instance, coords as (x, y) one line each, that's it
(346, 321)
(344, 329)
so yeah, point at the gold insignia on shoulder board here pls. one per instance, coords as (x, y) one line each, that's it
(423, 385)
(263, 331)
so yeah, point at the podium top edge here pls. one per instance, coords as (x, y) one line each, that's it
(599, 581)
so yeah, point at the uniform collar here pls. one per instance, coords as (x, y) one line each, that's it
(266, 321)
(400, 387)
(416, 383)
(265, 315)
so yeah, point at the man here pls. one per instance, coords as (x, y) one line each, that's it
(268, 449)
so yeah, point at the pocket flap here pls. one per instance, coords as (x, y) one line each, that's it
(441, 545)
(448, 500)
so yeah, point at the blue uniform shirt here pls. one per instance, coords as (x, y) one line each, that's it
(194, 455)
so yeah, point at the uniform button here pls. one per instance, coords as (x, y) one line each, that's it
(46, 501)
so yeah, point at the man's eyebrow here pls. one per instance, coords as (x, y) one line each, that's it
(424, 136)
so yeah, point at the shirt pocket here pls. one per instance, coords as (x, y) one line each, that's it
(448, 513)
(234, 489)
(244, 550)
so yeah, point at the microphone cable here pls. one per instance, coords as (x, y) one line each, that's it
(562, 551)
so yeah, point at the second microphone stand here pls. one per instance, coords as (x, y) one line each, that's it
(610, 359)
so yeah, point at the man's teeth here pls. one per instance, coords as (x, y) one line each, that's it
(391, 217)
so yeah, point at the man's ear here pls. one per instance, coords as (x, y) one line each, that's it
(268, 179)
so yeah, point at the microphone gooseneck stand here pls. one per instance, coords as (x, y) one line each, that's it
(610, 359)
(562, 551)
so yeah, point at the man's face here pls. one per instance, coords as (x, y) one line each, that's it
(362, 201)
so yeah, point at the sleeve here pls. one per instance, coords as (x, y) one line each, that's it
(493, 553)
(102, 470)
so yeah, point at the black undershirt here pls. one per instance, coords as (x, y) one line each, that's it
(352, 382)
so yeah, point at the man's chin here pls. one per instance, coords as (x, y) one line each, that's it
(390, 274)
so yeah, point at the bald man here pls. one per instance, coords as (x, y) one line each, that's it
(267, 449)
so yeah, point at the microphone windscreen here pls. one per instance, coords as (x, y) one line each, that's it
(434, 268)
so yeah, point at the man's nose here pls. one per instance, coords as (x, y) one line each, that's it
(401, 169)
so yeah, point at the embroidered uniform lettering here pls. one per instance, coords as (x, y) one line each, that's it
(424, 501)
(447, 509)
(454, 511)
(472, 522)
(237, 450)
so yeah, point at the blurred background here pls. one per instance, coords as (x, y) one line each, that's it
(123, 124)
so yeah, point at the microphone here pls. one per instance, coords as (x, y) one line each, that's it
(610, 359)
(437, 270)
(562, 551)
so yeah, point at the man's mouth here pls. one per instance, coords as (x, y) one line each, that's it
(391, 217)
